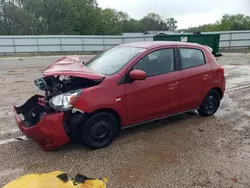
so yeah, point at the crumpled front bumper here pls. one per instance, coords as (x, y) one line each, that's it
(49, 132)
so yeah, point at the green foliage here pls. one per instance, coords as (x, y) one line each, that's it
(85, 17)
(81, 17)
(172, 24)
(226, 23)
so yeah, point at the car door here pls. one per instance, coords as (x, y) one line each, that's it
(157, 95)
(194, 77)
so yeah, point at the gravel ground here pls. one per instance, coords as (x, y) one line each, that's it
(182, 151)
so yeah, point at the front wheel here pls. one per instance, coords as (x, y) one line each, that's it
(210, 104)
(99, 130)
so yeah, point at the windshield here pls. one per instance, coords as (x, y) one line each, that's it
(113, 60)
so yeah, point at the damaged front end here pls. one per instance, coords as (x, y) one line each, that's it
(45, 118)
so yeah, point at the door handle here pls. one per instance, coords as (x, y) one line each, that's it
(172, 86)
(205, 77)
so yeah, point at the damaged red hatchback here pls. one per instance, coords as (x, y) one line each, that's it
(127, 85)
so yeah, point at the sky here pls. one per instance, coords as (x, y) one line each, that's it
(187, 12)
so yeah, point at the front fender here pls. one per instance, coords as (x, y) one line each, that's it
(117, 105)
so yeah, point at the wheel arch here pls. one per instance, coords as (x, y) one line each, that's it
(205, 110)
(111, 111)
(213, 89)
(218, 90)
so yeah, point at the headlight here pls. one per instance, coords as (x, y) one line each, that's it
(65, 101)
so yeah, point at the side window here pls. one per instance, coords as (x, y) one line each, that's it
(191, 58)
(157, 62)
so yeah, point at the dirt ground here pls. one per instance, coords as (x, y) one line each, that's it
(182, 151)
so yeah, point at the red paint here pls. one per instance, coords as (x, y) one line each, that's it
(71, 66)
(156, 96)
(137, 75)
(49, 133)
(134, 102)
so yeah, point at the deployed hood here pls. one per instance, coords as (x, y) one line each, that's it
(71, 66)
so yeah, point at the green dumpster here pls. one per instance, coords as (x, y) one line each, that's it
(211, 40)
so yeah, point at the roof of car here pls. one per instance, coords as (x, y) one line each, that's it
(151, 44)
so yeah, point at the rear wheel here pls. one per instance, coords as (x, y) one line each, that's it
(210, 104)
(99, 130)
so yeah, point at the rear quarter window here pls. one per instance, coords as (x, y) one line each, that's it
(191, 58)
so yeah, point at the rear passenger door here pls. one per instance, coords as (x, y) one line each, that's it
(194, 77)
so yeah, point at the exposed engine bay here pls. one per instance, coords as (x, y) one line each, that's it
(39, 106)
(55, 85)
(53, 117)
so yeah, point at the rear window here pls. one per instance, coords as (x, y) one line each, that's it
(191, 58)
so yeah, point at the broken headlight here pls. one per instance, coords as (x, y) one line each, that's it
(65, 101)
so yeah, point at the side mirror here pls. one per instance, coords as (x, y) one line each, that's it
(137, 75)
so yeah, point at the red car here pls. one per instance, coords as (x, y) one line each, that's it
(124, 86)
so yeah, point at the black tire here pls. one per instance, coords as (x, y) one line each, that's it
(99, 130)
(210, 103)
(74, 125)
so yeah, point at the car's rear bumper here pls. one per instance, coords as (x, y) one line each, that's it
(49, 132)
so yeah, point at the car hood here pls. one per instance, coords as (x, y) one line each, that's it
(71, 66)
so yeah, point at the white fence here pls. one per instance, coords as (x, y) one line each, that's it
(234, 39)
(64, 43)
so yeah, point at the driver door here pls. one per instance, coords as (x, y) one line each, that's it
(156, 96)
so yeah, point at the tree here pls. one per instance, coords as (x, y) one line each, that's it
(132, 25)
(226, 23)
(235, 22)
(110, 24)
(122, 16)
(153, 22)
(171, 24)
(14, 19)
(84, 17)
